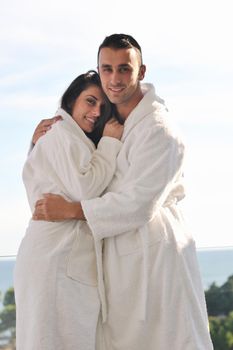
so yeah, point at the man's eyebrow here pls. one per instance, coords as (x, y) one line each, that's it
(122, 65)
(105, 65)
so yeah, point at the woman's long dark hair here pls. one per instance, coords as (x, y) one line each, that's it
(81, 83)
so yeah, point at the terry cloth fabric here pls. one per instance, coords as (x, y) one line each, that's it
(55, 276)
(154, 294)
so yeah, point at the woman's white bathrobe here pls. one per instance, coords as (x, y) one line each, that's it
(154, 295)
(55, 277)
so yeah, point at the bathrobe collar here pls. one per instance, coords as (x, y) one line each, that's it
(149, 103)
(72, 126)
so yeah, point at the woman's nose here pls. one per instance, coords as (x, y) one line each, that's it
(96, 111)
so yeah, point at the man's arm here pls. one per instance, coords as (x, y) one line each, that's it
(43, 127)
(156, 163)
(55, 208)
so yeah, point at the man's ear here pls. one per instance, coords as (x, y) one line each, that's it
(142, 72)
(97, 68)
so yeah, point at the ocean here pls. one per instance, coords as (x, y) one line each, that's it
(216, 265)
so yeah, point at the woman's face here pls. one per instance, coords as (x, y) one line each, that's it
(87, 108)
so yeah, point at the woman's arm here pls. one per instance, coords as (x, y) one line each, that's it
(83, 171)
(61, 156)
(156, 164)
(66, 159)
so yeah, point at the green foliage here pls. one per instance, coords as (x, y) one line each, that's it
(219, 300)
(227, 290)
(221, 330)
(9, 297)
(7, 314)
(218, 333)
(7, 317)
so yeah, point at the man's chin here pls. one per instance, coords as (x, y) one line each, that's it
(115, 99)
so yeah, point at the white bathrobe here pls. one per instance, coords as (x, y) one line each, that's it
(55, 276)
(152, 284)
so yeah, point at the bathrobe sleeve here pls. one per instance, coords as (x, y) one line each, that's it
(71, 164)
(155, 162)
(89, 177)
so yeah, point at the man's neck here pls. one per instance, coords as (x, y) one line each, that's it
(125, 109)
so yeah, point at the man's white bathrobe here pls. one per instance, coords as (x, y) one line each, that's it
(154, 294)
(55, 277)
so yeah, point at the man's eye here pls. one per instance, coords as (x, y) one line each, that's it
(107, 69)
(124, 69)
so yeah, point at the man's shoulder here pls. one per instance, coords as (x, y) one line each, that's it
(159, 126)
(154, 120)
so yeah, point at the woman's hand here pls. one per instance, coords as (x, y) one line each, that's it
(113, 129)
(43, 127)
(54, 207)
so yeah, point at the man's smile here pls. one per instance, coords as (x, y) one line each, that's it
(116, 89)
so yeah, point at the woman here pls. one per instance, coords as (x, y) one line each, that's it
(55, 275)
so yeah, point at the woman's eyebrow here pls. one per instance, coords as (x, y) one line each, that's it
(93, 97)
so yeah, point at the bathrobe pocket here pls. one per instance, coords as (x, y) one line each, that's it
(130, 242)
(81, 262)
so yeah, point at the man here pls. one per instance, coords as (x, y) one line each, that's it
(151, 292)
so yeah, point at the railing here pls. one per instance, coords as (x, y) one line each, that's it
(216, 267)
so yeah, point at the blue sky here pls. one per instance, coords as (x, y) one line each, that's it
(188, 52)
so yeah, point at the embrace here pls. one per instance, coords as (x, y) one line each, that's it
(107, 262)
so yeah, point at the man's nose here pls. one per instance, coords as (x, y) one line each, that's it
(115, 78)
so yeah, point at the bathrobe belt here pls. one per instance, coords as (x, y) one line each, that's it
(144, 236)
(100, 279)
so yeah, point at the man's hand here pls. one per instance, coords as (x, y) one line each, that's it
(43, 127)
(54, 207)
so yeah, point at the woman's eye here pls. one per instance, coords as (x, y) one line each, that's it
(91, 102)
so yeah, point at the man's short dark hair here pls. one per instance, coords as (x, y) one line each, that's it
(121, 41)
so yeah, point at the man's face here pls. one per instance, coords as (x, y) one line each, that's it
(120, 72)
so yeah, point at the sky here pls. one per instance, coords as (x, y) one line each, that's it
(187, 47)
